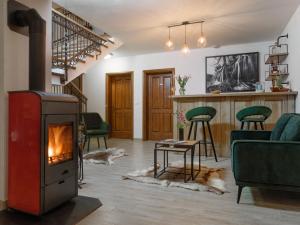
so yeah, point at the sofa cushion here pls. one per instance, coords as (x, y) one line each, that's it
(280, 125)
(291, 131)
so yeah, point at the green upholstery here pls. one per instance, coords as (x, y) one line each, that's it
(94, 127)
(280, 125)
(258, 113)
(260, 160)
(266, 162)
(96, 132)
(205, 113)
(291, 131)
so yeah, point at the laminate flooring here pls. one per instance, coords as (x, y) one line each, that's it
(127, 202)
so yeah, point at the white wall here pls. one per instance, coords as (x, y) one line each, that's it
(293, 29)
(192, 64)
(14, 71)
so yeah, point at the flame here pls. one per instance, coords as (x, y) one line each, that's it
(50, 152)
(60, 143)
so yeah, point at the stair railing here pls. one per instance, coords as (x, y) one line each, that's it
(73, 40)
(71, 89)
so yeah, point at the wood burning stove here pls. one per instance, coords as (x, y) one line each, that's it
(43, 152)
(43, 149)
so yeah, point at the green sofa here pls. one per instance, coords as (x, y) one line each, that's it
(268, 159)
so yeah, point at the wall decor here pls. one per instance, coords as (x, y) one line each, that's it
(232, 73)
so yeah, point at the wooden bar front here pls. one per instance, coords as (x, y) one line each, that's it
(227, 105)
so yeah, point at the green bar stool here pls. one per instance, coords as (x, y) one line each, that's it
(255, 115)
(202, 115)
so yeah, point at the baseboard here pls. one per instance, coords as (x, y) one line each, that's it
(3, 205)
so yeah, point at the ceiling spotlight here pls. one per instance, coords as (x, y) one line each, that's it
(169, 43)
(202, 42)
(108, 56)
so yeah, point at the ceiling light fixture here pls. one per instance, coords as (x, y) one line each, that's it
(169, 43)
(108, 56)
(185, 49)
(202, 42)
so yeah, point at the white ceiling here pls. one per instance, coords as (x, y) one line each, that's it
(142, 24)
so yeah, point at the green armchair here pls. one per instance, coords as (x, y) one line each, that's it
(94, 126)
(268, 159)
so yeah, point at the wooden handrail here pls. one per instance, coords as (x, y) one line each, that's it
(72, 89)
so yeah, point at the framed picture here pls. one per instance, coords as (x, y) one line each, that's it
(232, 73)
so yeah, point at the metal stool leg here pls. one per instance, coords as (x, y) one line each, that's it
(212, 141)
(248, 125)
(255, 125)
(261, 125)
(190, 131)
(195, 130)
(242, 125)
(184, 167)
(204, 137)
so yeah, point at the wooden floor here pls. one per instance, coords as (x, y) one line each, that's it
(127, 202)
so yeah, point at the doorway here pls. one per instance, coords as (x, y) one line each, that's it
(119, 104)
(158, 106)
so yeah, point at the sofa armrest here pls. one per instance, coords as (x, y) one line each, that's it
(266, 162)
(249, 135)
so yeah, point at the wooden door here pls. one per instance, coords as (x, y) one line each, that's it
(159, 106)
(120, 106)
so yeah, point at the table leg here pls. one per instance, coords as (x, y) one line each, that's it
(167, 158)
(155, 163)
(199, 167)
(164, 160)
(192, 162)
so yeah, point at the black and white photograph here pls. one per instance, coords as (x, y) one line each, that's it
(232, 73)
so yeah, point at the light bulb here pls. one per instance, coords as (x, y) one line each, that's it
(185, 49)
(202, 41)
(169, 44)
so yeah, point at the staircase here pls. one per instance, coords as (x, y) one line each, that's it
(75, 48)
(71, 89)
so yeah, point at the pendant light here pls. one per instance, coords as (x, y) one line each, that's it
(185, 49)
(169, 43)
(202, 42)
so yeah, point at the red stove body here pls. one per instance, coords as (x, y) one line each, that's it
(42, 157)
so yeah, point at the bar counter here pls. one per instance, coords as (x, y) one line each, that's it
(227, 105)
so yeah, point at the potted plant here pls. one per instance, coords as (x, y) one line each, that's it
(182, 80)
(181, 123)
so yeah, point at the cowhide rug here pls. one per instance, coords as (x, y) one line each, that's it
(209, 179)
(106, 157)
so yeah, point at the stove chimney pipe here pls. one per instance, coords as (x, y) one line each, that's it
(37, 43)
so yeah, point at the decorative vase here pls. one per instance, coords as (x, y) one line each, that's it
(181, 91)
(181, 134)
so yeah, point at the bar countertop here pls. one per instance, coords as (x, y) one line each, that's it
(236, 94)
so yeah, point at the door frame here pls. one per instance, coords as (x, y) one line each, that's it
(145, 95)
(108, 77)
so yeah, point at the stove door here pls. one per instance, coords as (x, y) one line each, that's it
(60, 159)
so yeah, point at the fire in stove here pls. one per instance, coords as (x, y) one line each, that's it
(60, 143)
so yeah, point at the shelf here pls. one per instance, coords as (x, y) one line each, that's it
(276, 58)
(269, 77)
